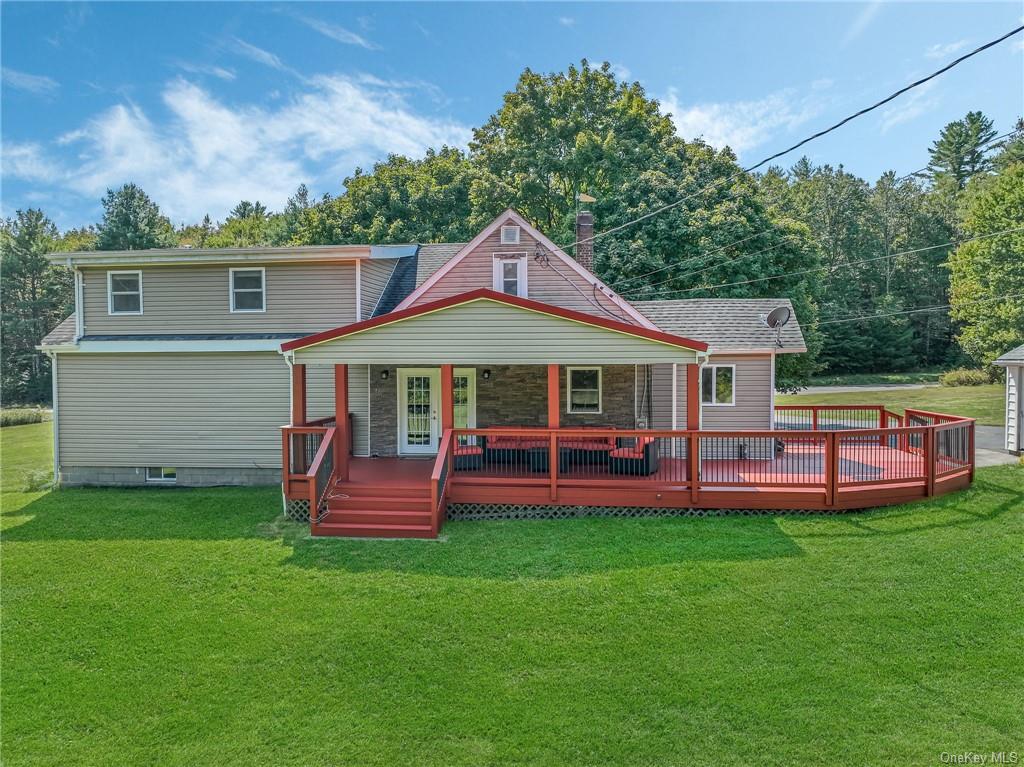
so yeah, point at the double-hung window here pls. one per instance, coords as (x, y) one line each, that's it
(510, 274)
(717, 385)
(248, 290)
(584, 390)
(124, 292)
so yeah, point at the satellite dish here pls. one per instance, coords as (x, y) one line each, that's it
(778, 317)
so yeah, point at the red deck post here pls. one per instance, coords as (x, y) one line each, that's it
(692, 397)
(970, 448)
(928, 445)
(831, 468)
(553, 413)
(298, 395)
(693, 464)
(342, 438)
(447, 398)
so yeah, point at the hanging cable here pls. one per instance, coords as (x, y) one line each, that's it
(915, 311)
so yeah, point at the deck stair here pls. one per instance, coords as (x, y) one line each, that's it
(377, 511)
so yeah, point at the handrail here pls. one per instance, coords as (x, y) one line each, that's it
(439, 481)
(319, 480)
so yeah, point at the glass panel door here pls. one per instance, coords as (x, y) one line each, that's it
(418, 410)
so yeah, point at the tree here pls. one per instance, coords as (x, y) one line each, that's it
(35, 296)
(988, 275)
(1011, 150)
(132, 221)
(196, 235)
(246, 209)
(959, 153)
(285, 227)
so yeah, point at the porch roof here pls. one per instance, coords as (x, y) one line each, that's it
(484, 326)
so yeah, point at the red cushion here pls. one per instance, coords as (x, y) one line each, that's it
(627, 452)
(468, 450)
(587, 443)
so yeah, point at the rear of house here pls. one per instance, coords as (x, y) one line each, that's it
(508, 365)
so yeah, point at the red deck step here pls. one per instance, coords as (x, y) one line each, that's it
(352, 530)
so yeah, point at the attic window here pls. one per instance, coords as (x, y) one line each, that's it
(510, 235)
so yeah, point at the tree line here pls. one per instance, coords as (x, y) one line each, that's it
(856, 258)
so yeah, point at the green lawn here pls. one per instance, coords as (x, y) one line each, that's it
(177, 627)
(986, 403)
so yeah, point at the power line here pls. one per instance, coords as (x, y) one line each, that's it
(922, 309)
(801, 143)
(840, 266)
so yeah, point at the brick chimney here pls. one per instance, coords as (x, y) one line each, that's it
(584, 233)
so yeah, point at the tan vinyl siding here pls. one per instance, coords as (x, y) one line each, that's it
(486, 332)
(320, 401)
(373, 278)
(752, 395)
(661, 414)
(570, 290)
(202, 410)
(300, 298)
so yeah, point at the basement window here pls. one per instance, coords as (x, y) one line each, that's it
(583, 393)
(161, 474)
(717, 383)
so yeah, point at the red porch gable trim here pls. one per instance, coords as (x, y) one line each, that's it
(501, 298)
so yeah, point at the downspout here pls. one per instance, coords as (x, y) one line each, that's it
(56, 418)
(79, 307)
(771, 414)
(702, 360)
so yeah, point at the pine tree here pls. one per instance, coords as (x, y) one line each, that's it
(132, 221)
(959, 153)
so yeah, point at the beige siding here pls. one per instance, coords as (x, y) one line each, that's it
(172, 409)
(203, 410)
(752, 394)
(486, 332)
(320, 401)
(556, 284)
(661, 414)
(373, 278)
(300, 298)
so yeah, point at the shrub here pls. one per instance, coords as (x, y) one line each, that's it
(22, 415)
(964, 377)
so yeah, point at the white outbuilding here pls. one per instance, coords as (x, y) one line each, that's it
(1013, 361)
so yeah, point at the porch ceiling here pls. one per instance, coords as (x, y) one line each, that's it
(484, 327)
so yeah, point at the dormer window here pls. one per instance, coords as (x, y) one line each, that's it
(510, 274)
(510, 235)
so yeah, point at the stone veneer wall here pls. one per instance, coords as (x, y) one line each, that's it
(515, 395)
(123, 476)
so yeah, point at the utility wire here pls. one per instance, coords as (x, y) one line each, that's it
(922, 309)
(802, 142)
(841, 266)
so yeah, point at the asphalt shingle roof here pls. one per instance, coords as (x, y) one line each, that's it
(733, 324)
(64, 333)
(1014, 355)
(433, 256)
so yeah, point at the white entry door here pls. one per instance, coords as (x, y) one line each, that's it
(419, 393)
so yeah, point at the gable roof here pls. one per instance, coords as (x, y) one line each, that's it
(63, 334)
(433, 256)
(486, 294)
(439, 272)
(727, 324)
(1014, 356)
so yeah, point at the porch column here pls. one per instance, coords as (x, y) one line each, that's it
(342, 438)
(298, 395)
(447, 398)
(553, 396)
(692, 397)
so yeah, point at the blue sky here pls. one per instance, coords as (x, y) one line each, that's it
(207, 104)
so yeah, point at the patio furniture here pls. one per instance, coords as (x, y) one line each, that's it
(638, 459)
(469, 457)
(578, 451)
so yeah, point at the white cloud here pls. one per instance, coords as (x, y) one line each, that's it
(919, 102)
(23, 81)
(621, 71)
(567, 21)
(25, 160)
(862, 22)
(942, 50)
(207, 156)
(740, 125)
(336, 32)
(207, 69)
(260, 56)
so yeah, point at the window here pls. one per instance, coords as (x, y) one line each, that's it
(161, 474)
(716, 384)
(510, 273)
(124, 292)
(247, 290)
(510, 235)
(584, 390)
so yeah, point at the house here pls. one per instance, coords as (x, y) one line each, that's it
(518, 375)
(1013, 361)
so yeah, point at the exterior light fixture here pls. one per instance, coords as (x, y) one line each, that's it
(384, 374)
(487, 375)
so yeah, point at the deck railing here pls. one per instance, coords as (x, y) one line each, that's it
(439, 481)
(320, 475)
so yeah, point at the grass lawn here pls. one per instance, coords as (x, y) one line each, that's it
(192, 627)
(985, 403)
